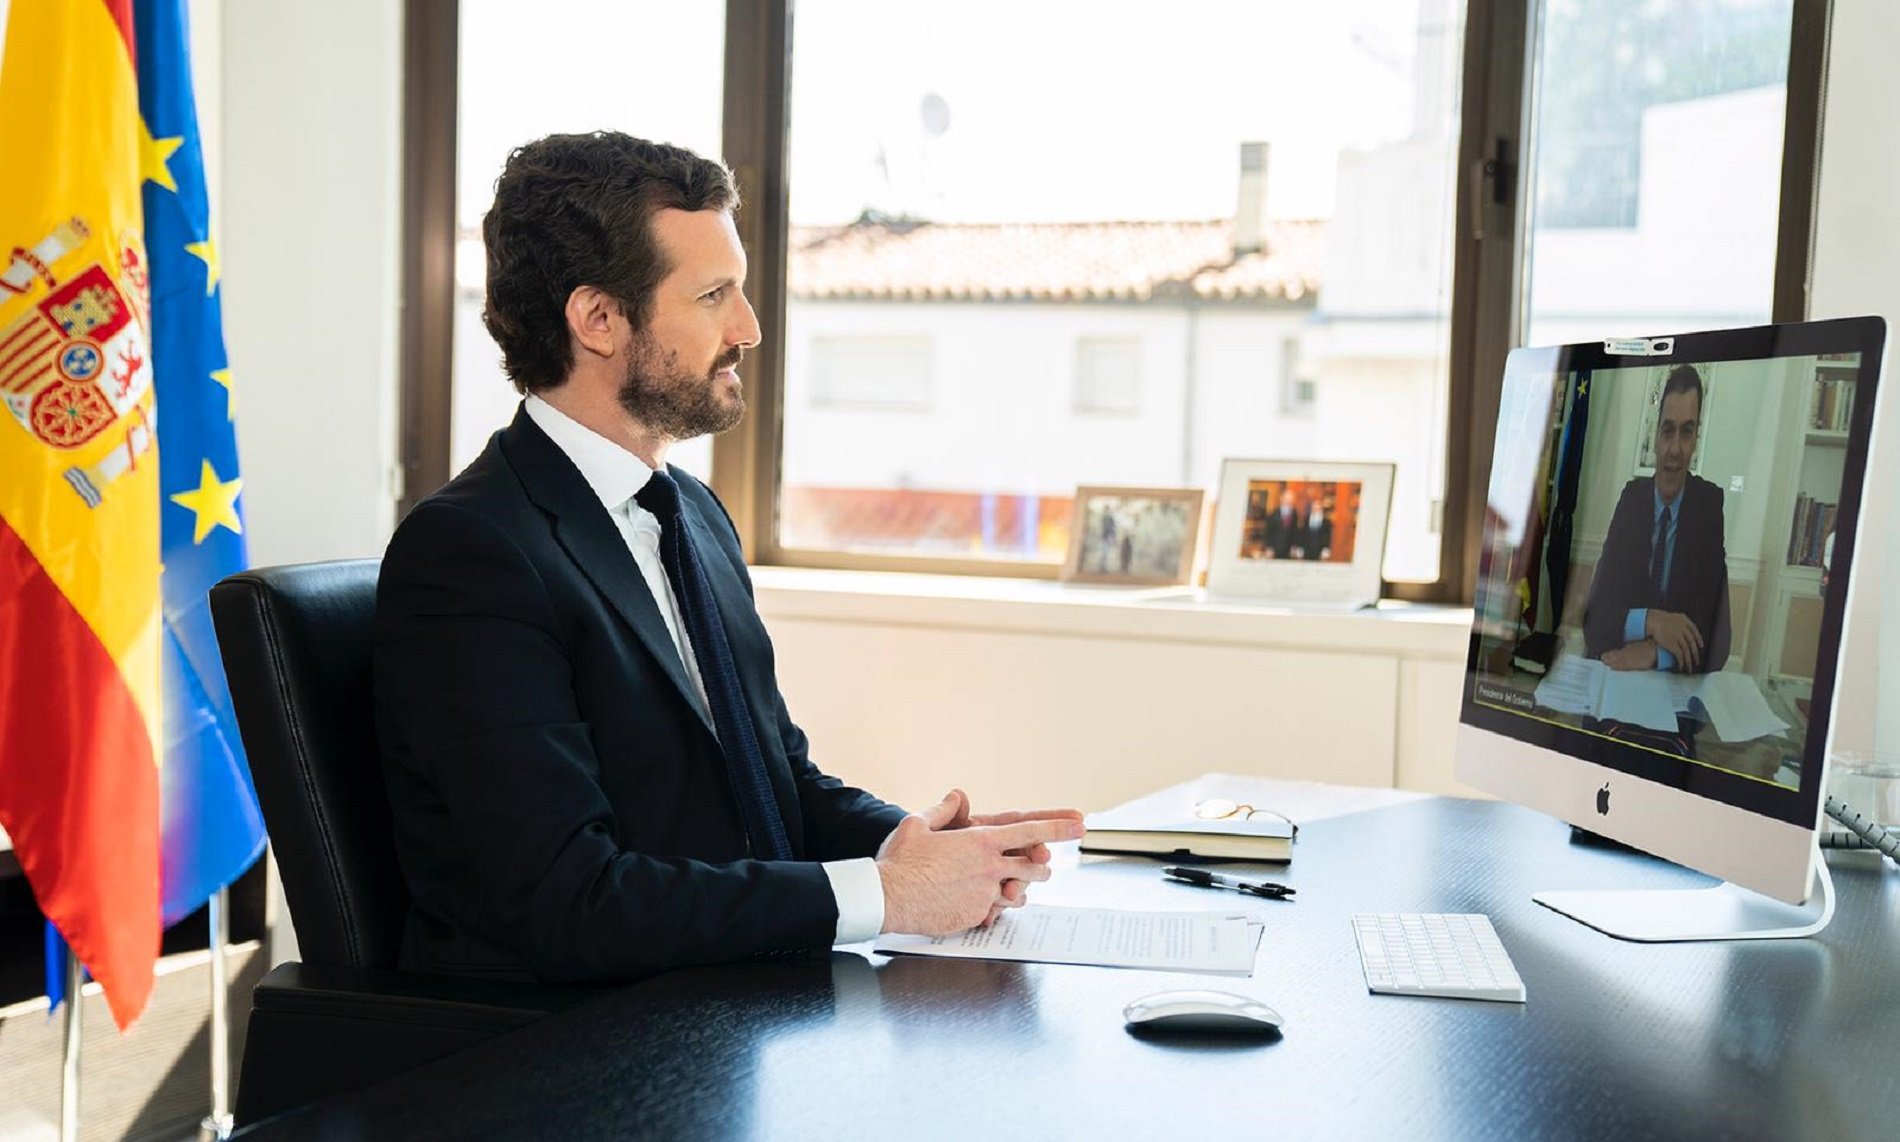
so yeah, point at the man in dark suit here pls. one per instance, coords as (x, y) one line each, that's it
(591, 770)
(1659, 598)
(1315, 538)
(1283, 527)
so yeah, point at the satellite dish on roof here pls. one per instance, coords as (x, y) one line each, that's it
(934, 110)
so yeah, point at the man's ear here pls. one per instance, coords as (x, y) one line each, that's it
(591, 317)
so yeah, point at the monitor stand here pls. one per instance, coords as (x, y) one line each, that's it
(1724, 912)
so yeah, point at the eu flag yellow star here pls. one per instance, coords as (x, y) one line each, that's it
(214, 501)
(223, 377)
(207, 251)
(155, 156)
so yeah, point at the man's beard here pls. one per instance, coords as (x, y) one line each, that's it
(675, 403)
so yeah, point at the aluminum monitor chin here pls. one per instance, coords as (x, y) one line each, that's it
(1664, 571)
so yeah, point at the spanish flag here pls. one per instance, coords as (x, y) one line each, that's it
(80, 618)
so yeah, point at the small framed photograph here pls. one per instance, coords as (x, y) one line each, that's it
(1145, 536)
(1299, 532)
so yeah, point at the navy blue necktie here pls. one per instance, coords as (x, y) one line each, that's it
(764, 829)
(1659, 557)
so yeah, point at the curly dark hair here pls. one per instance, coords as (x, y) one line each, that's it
(574, 210)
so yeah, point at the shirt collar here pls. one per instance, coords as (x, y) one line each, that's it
(1671, 506)
(614, 473)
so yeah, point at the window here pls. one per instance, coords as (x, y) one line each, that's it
(523, 73)
(1108, 375)
(1088, 198)
(1108, 248)
(1298, 392)
(1656, 172)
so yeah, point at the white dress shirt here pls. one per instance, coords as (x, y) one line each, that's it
(616, 476)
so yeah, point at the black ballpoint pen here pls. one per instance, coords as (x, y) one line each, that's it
(1204, 879)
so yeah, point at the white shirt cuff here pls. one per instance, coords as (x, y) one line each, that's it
(860, 895)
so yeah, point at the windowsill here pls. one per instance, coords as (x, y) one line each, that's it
(1166, 614)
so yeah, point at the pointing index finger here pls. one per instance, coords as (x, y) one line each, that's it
(1022, 834)
(1013, 816)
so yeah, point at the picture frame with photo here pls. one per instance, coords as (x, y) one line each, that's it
(1300, 533)
(1133, 536)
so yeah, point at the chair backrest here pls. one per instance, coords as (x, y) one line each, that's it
(297, 646)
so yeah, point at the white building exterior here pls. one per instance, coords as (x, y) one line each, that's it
(1223, 377)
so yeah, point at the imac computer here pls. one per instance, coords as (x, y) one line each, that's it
(1664, 571)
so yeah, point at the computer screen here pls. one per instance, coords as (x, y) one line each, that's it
(1664, 569)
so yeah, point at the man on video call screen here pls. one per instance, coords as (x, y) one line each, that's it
(1659, 599)
(1655, 554)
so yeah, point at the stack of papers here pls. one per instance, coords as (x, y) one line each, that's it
(1216, 943)
(1730, 701)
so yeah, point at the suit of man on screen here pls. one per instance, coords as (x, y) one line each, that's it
(1659, 598)
(591, 770)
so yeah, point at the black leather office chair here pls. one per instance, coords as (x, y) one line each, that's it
(296, 643)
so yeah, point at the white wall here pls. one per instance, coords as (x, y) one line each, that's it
(311, 119)
(1856, 252)
(302, 162)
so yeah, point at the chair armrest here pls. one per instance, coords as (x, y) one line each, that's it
(409, 997)
(317, 1029)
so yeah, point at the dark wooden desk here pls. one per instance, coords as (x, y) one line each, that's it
(1773, 1040)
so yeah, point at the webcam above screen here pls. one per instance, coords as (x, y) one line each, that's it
(1667, 550)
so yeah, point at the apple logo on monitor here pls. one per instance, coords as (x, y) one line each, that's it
(1603, 800)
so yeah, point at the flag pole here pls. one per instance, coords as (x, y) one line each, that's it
(69, 1063)
(217, 1125)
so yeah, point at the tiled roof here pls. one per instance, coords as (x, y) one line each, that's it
(1078, 261)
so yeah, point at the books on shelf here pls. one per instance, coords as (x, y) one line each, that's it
(1807, 535)
(1831, 404)
(1129, 829)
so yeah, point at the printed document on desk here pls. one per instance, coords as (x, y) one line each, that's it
(1729, 700)
(1736, 707)
(1573, 686)
(1578, 685)
(1640, 698)
(1210, 942)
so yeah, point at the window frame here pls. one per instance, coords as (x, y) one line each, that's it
(1485, 321)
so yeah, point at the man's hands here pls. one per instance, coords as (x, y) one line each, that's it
(947, 869)
(1677, 634)
(1632, 656)
(962, 818)
(1014, 892)
(1666, 630)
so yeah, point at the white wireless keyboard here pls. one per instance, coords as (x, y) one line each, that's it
(1452, 954)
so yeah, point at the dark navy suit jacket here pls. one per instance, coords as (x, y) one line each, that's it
(561, 804)
(1698, 572)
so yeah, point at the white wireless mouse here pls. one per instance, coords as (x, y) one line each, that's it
(1200, 1011)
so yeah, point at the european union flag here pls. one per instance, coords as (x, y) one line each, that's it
(211, 828)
